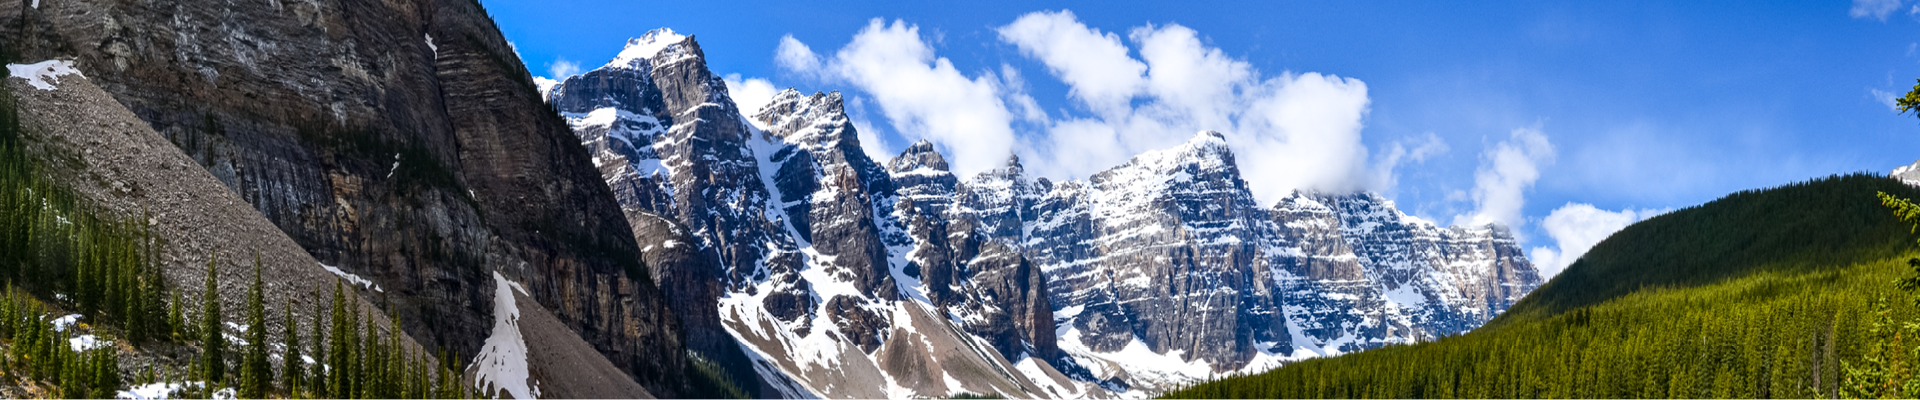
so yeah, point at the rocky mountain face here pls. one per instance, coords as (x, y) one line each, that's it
(845, 276)
(399, 141)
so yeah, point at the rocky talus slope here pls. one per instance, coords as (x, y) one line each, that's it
(402, 142)
(120, 168)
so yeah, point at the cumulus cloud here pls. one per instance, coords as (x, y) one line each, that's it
(750, 94)
(1398, 152)
(1507, 170)
(1876, 9)
(1094, 65)
(1576, 228)
(1153, 88)
(796, 56)
(1885, 97)
(876, 146)
(1293, 130)
(560, 68)
(920, 94)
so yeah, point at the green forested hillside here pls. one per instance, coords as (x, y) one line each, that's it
(1794, 228)
(1784, 292)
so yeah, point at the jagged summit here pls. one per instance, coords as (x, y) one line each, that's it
(790, 113)
(846, 273)
(921, 155)
(647, 46)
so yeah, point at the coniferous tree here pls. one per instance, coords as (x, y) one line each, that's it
(292, 366)
(369, 358)
(340, 351)
(256, 375)
(176, 324)
(317, 378)
(396, 365)
(1910, 102)
(212, 341)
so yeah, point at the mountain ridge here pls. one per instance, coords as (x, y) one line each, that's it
(1039, 278)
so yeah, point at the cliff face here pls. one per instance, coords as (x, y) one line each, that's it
(844, 276)
(399, 141)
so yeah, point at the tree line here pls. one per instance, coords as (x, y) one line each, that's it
(56, 255)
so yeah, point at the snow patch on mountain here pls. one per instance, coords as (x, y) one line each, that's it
(646, 46)
(502, 363)
(351, 278)
(43, 75)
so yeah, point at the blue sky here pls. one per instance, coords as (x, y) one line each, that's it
(1505, 111)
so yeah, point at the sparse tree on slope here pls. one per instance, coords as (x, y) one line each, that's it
(212, 342)
(256, 375)
(291, 364)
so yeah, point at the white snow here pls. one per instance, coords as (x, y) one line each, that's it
(160, 390)
(1407, 297)
(546, 87)
(87, 342)
(36, 4)
(42, 75)
(351, 278)
(502, 363)
(163, 390)
(396, 166)
(436, 49)
(61, 324)
(646, 46)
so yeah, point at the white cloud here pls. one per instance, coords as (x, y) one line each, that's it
(1506, 171)
(1397, 153)
(919, 93)
(1291, 130)
(750, 94)
(1576, 228)
(1303, 132)
(1094, 65)
(1876, 9)
(1885, 97)
(796, 56)
(876, 146)
(560, 68)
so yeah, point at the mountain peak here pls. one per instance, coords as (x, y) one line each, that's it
(920, 154)
(647, 46)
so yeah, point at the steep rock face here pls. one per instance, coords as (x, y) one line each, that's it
(831, 190)
(335, 120)
(1164, 270)
(1423, 281)
(818, 255)
(1163, 251)
(906, 280)
(988, 285)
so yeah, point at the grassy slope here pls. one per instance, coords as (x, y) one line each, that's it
(1758, 294)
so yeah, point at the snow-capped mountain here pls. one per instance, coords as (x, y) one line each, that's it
(843, 277)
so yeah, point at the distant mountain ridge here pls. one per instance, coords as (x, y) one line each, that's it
(1781, 292)
(846, 276)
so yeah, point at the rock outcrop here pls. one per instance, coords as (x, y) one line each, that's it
(399, 141)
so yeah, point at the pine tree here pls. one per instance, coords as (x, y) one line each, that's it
(212, 342)
(256, 375)
(176, 324)
(317, 380)
(340, 352)
(369, 358)
(292, 366)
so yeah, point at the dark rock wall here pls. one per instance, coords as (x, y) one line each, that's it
(423, 170)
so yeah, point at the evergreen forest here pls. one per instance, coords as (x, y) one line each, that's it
(1789, 292)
